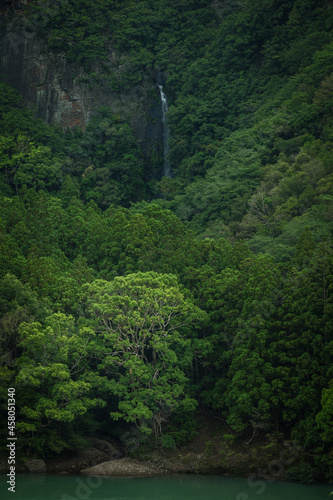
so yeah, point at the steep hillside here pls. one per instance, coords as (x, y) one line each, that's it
(131, 302)
(249, 103)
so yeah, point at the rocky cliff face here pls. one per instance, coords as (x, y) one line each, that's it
(60, 92)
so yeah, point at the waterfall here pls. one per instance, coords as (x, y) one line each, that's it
(166, 133)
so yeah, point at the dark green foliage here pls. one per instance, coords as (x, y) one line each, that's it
(113, 172)
(303, 472)
(239, 240)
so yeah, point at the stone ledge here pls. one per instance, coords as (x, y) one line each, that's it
(124, 467)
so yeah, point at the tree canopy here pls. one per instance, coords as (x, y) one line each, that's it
(129, 300)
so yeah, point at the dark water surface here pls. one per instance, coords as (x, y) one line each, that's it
(179, 487)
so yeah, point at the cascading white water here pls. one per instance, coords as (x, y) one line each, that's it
(166, 134)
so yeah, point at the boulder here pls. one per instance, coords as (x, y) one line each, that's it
(35, 465)
(111, 451)
(123, 467)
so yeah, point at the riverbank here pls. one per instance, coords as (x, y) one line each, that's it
(211, 451)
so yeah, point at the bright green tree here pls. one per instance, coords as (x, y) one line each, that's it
(51, 383)
(141, 320)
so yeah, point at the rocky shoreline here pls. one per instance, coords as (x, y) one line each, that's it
(209, 452)
(124, 467)
(89, 462)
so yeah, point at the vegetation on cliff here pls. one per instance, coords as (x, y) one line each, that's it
(130, 300)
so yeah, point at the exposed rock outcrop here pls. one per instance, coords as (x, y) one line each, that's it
(99, 451)
(61, 93)
(35, 466)
(124, 467)
(106, 447)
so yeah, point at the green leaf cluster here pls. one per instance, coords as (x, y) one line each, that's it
(131, 301)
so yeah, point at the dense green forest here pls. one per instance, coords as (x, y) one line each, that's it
(130, 301)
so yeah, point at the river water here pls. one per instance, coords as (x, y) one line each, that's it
(179, 487)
